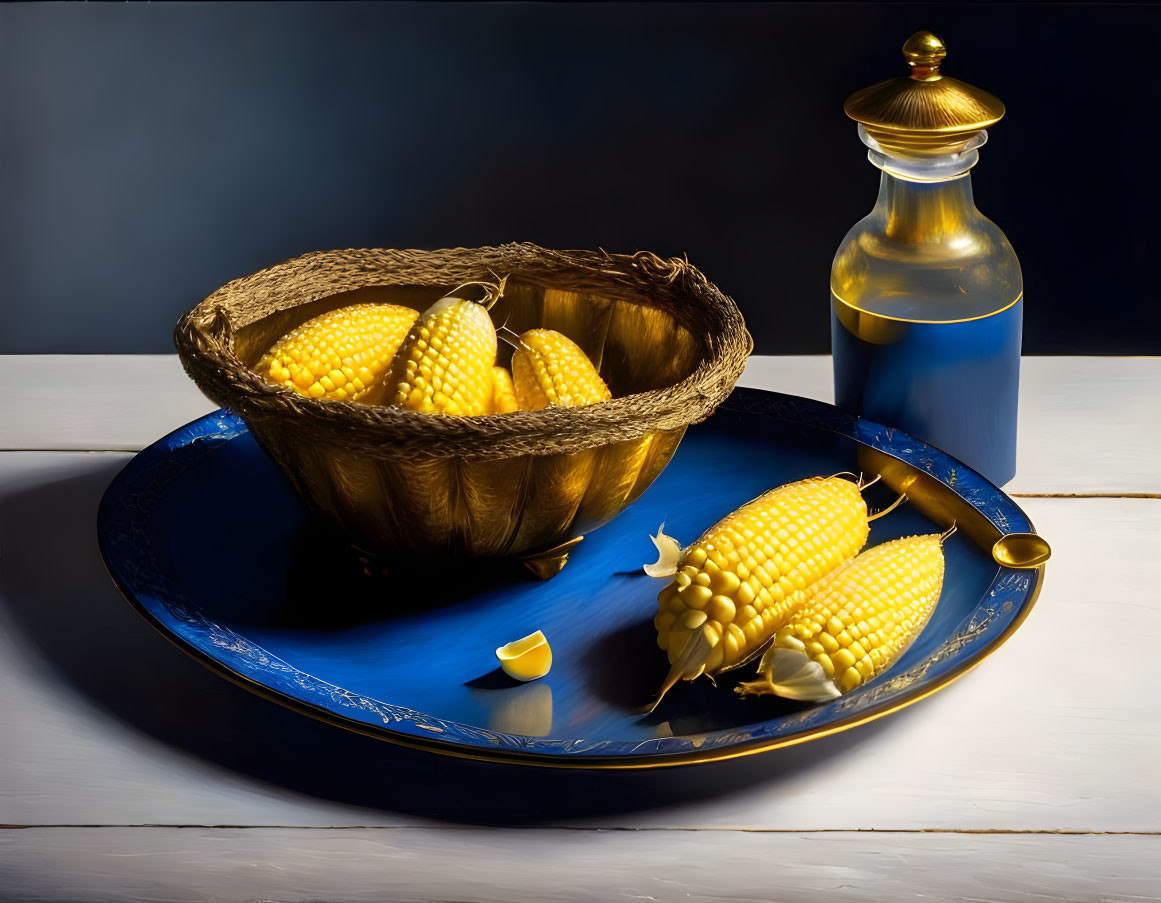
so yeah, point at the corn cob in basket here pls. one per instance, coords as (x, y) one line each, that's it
(444, 365)
(503, 393)
(548, 368)
(339, 355)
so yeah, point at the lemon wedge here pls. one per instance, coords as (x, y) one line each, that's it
(527, 658)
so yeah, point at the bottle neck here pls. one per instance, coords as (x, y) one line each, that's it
(918, 212)
(926, 198)
(957, 159)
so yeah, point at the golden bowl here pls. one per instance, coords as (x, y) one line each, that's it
(527, 484)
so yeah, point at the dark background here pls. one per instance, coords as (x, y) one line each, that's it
(150, 153)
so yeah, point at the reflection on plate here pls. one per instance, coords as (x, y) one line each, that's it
(207, 542)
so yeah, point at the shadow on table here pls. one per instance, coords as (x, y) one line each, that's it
(63, 604)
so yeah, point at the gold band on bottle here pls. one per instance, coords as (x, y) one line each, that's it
(881, 329)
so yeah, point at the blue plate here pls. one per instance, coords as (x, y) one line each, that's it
(206, 540)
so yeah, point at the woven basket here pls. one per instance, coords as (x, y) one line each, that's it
(667, 341)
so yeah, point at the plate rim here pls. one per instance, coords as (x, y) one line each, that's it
(816, 414)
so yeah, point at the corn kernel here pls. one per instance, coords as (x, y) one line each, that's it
(844, 658)
(722, 609)
(849, 680)
(693, 619)
(697, 596)
(827, 664)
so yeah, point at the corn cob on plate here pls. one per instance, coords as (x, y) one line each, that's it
(855, 622)
(410, 657)
(739, 582)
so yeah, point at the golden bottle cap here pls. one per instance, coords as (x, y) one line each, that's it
(925, 113)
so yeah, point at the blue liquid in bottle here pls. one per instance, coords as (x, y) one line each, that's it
(954, 384)
(926, 313)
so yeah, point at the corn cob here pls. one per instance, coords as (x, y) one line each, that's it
(503, 394)
(444, 365)
(736, 585)
(857, 622)
(338, 355)
(548, 368)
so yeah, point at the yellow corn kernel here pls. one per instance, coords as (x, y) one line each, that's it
(503, 395)
(444, 366)
(710, 575)
(895, 584)
(548, 368)
(338, 355)
(844, 658)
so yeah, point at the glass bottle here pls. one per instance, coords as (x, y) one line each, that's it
(926, 292)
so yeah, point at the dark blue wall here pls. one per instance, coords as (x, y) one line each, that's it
(151, 152)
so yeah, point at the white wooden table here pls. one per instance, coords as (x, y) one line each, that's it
(128, 772)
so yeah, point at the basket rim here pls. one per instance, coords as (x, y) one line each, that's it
(204, 338)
